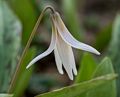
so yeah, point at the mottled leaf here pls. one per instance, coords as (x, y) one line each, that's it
(27, 14)
(10, 29)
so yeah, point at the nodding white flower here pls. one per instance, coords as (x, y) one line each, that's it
(61, 43)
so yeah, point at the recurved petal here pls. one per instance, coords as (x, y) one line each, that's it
(67, 58)
(58, 61)
(48, 51)
(69, 39)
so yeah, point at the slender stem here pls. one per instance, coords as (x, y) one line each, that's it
(18, 68)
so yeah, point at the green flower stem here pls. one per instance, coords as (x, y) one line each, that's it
(18, 68)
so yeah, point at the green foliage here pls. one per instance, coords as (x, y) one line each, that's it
(108, 89)
(93, 80)
(114, 49)
(27, 14)
(103, 38)
(77, 89)
(24, 75)
(6, 95)
(93, 71)
(87, 67)
(10, 28)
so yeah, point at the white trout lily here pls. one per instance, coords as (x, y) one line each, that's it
(61, 43)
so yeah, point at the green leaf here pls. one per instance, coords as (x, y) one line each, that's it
(114, 49)
(103, 38)
(23, 82)
(108, 89)
(10, 30)
(77, 89)
(87, 67)
(27, 14)
(105, 67)
(25, 75)
(6, 95)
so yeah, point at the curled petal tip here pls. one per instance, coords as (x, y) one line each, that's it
(27, 66)
(71, 78)
(61, 72)
(97, 52)
(75, 73)
(69, 39)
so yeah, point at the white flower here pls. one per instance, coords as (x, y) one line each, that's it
(61, 43)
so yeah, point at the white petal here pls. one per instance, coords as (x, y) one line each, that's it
(58, 61)
(66, 56)
(48, 51)
(72, 61)
(69, 39)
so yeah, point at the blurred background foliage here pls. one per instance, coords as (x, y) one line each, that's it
(95, 22)
(10, 37)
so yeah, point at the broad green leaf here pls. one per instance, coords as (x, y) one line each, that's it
(108, 89)
(10, 30)
(23, 82)
(87, 67)
(114, 49)
(105, 67)
(25, 75)
(70, 13)
(6, 95)
(103, 38)
(77, 89)
(27, 14)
